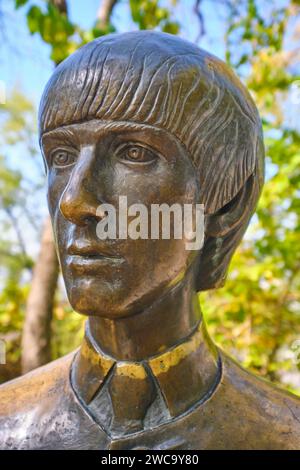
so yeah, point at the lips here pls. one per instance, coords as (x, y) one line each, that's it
(90, 251)
(88, 257)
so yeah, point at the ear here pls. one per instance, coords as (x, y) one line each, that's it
(230, 216)
(223, 232)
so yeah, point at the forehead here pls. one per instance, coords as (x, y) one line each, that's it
(94, 131)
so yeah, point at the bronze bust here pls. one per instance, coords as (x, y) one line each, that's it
(154, 118)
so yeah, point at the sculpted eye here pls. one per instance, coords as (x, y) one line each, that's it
(61, 158)
(138, 154)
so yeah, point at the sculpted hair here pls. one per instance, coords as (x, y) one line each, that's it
(161, 80)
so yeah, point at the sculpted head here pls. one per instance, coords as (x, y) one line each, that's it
(154, 118)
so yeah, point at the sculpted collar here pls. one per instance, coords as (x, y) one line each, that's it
(128, 397)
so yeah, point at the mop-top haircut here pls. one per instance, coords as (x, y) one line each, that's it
(154, 78)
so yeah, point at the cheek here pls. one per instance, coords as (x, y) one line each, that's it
(138, 185)
(163, 183)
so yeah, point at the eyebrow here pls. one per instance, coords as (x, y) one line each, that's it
(60, 133)
(127, 125)
(67, 131)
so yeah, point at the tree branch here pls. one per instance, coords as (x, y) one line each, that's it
(61, 5)
(104, 12)
(199, 15)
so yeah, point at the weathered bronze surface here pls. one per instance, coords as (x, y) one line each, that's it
(152, 117)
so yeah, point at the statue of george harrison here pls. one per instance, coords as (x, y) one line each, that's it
(154, 118)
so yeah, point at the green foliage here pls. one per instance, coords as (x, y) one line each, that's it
(58, 31)
(54, 28)
(256, 315)
(9, 185)
(67, 329)
(20, 3)
(17, 125)
(149, 14)
(249, 26)
(65, 37)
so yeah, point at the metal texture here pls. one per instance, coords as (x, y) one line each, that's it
(151, 117)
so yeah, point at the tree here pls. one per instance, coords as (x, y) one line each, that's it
(36, 339)
(17, 125)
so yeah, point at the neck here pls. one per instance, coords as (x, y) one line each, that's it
(153, 366)
(167, 322)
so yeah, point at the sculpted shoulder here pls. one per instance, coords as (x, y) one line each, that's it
(26, 391)
(39, 411)
(27, 399)
(263, 416)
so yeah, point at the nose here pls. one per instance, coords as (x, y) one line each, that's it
(81, 197)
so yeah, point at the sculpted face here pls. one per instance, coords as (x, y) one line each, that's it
(94, 163)
(153, 118)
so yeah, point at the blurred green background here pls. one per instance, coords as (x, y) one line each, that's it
(256, 316)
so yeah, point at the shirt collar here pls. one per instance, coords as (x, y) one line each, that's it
(184, 376)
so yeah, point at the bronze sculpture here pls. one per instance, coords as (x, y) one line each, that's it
(152, 117)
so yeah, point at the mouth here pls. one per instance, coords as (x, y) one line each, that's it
(91, 256)
(88, 258)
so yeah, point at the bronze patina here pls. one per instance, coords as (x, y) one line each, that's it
(152, 117)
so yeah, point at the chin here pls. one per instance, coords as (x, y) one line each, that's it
(117, 298)
(93, 298)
